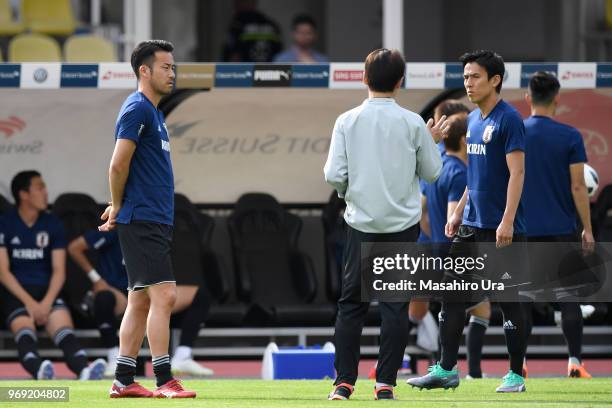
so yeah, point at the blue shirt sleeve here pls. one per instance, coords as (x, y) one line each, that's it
(457, 186)
(132, 122)
(577, 151)
(95, 239)
(58, 235)
(514, 133)
(423, 186)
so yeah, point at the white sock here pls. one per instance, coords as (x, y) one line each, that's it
(112, 354)
(574, 360)
(182, 353)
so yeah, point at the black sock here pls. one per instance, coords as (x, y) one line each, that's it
(193, 317)
(474, 341)
(104, 312)
(452, 321)
(25, 339)
(528, 314)
(74, 355)
(572, 323)
(161, 368)
(514, 330)
(126, 370)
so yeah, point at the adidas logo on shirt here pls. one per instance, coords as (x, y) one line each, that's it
(15, 241)
(506, 276)
(508, 325)
(165, 145)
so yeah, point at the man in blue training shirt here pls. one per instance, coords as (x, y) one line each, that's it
(110, 300)
(32, 272)
(489, 211)
(554, 192)
(441, 199)
(142, 210)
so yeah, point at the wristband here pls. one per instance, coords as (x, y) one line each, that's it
(93, 276)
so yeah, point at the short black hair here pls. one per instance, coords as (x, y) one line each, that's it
(449, 107)
(303, 19)
(543, 87)
(22, 182)
(491, 61)
(457, 129)
(144, 53)
(383, 69)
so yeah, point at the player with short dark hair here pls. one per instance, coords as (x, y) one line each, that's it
(440, 200)
(32, 273)
(378, 152)
(554, 192)
(142, 210)
(489, 211)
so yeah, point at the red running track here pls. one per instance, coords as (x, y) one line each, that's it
(252, 369)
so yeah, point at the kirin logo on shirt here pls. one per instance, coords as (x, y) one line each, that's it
(42, 239)
(487, 135)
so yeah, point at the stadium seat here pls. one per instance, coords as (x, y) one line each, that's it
(79, 213)
(191, 254)
(8, 25)
(270, 270)
(53, 17)
(34, 48)
(335, 237)
(89, 48)
(5, 205)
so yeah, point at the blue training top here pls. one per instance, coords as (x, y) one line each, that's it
(489, 140)
(547, 195)
(448, 187)
(111, 266)
(29, 248)
(149, 190)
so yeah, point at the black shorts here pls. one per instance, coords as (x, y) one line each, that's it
(501, 264)
(559, 267)
(146, 250)
(12, 307)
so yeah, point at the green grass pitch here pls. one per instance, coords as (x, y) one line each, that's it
(553, 392)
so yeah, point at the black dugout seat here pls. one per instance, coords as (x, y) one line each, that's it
(5, 205)
(79, 214)
(194, 263)
(270, 269)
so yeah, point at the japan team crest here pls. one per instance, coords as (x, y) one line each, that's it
(487, 135)
(42, 239)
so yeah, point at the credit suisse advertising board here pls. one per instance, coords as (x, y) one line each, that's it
(257, 128)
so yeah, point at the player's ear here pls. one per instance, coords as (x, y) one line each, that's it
(528, 99)
(399, 83)
(557, 99)
(144, 70)
(365, 79)
(496, 80)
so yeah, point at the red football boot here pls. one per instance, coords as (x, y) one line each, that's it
(173, 389)
(134, 390)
